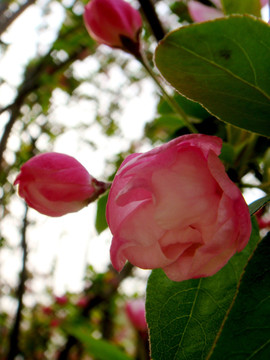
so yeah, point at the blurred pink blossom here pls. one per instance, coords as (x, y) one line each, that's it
(82, 302)
(263, 219)
(135, 310)
(200, 12)
(61, 300)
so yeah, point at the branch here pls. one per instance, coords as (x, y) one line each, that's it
(152, 18)
(7, 21)
(14, 113)
(31, 83)
(15, 332)
(4, 6)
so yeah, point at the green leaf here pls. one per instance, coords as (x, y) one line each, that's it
(101, 222)
(162, 127)
(227, 153)
(191, 108)
(252, 7)
(216, 64)
(100, 349)
(258, 204)
(246, 333)
(185, 317)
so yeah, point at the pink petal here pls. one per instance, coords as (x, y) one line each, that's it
(264, 2)
(190, 181)
(199, 12)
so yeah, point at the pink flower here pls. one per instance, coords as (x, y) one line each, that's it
(61, 300)
(47, 310)
(55, 323)
(114, 23)
(199, 12)
(135, 310)
(56, 184)
(175, 208)
(83, 302)
(262, 219)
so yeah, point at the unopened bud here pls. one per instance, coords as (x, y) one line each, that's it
(114, 23)
(56, 184)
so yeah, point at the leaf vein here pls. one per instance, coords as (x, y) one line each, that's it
(189, 318)
(214, 64)
(247, 57)
(258, 350)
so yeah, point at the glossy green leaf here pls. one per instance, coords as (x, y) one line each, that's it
(246, 333)
(216, 64)
(100, 349)
(101, 222)
(185, 317)
(252, 7)
(258, 204)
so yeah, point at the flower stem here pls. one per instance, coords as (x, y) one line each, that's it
(100, 188)
(171, 101)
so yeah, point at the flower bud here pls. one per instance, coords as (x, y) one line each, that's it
(114, 23)
(200, 12)
(47, 310)
(135, 310)
(83, 302)
(56, 184)
(54, 323)
(263, 219)
(61, 300)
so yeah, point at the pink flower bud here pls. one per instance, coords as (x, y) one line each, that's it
(56, 184)
(175, 208)
(55, 323)
(83, 302)
(47, 310)
(262, 219)
(264, 2)
(135, 310)
(199, 12)
(217, 3)
(61, 300)
(114, 23)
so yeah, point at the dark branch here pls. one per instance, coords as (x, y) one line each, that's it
(4, 6)
(15, 332)
(152, 18)
(6, 21)
(31, 83)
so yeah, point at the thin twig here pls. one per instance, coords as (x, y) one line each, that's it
(31, 83)
(15, 332)
(170, 99)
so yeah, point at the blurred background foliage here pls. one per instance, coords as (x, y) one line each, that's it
(66, 72)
